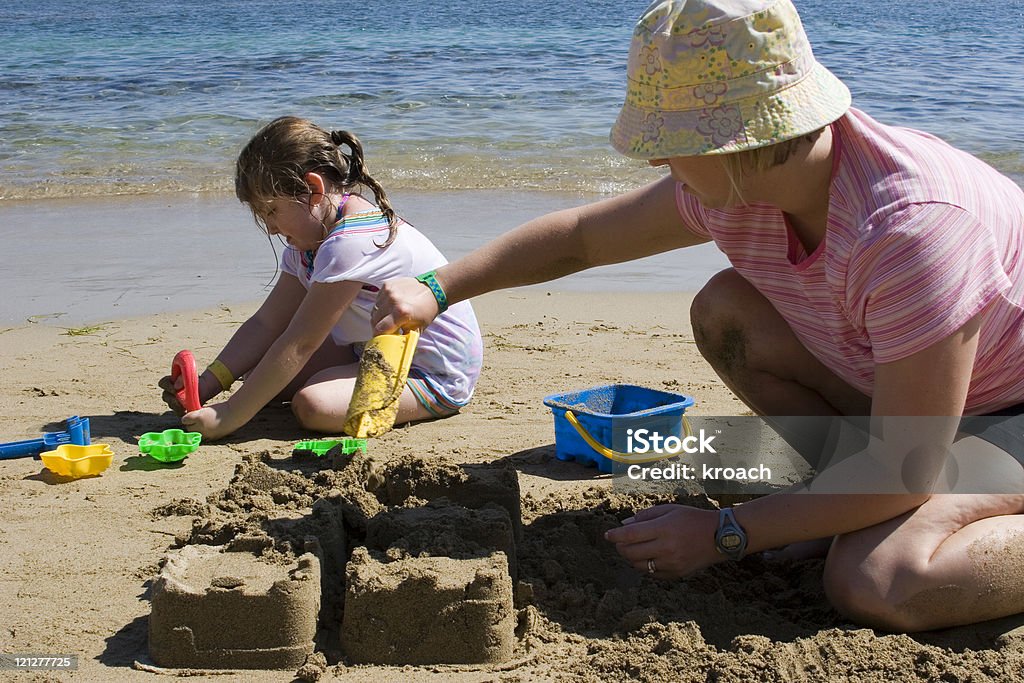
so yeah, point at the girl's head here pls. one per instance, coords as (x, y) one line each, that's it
(715, 77)
(294, 160)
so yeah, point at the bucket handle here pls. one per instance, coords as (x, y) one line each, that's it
(615, 455)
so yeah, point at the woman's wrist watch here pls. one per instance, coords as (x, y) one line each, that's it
(730, 538)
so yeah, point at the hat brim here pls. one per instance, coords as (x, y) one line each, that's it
(811, 103)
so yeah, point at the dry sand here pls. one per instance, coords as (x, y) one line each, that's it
(77, 558)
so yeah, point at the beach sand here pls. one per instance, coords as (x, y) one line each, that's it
(78, 558)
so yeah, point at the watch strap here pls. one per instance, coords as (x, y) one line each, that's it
(430, 280)
(730, 538)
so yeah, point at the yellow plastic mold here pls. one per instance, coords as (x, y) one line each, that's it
(74, 461)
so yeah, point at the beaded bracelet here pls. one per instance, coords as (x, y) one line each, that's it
(430, 280)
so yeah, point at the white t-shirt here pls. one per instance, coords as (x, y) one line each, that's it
(450, 350)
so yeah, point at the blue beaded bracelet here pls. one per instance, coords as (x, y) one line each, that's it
(430, 280)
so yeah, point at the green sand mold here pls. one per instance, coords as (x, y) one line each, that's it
(319, 447)
(170, 445)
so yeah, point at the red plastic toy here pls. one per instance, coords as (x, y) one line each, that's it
(184, 365)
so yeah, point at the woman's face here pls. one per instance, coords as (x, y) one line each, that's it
(705, 178)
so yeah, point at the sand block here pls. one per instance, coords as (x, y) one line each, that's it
(445, 530)
(471, 486)
(427, 610)
(213, 609)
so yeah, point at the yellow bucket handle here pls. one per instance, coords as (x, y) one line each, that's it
(615, 455)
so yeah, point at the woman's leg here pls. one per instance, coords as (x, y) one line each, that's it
(756, 354)
(957, 559)
(954, 560)
(758, 357)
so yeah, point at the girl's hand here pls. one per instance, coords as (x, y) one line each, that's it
(403, 303)
(208, 388)
(679, 539)
(170, 395)
(213, 421)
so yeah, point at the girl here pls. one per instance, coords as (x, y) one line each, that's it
(877, 271)
(304, 342)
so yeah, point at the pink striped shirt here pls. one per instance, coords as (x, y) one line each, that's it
(921, 237)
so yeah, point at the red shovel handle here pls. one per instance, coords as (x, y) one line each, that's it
(184, 365)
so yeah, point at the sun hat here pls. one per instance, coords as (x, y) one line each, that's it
(720, 76)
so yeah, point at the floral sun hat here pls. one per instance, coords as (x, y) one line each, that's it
(720, 76)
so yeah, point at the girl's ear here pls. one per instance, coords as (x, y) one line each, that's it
(315, 183)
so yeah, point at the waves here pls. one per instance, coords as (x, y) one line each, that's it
(149, 97)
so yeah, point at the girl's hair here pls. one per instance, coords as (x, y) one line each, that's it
(275, 161)
(739, 164)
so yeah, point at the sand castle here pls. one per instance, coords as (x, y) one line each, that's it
(429, 579)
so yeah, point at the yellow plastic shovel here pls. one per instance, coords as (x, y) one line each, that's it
(383, 369)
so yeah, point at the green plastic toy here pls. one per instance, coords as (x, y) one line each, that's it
(319, 447)
(170, 445)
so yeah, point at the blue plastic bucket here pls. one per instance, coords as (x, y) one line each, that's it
(606, 413)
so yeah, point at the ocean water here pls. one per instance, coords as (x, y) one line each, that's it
(116, 97)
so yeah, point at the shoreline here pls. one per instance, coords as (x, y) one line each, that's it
(85, 261)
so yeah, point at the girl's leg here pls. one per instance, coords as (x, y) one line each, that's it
(321, 405)
(327, 356)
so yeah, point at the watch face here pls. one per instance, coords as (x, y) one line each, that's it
(730, 541)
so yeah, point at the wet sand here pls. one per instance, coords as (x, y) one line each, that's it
(84, 261)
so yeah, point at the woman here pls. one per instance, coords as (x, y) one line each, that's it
(876, 271)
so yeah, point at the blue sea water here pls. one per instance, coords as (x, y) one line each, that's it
(145, 96)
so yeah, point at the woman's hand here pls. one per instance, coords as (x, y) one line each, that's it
(679, 540)
(213, 421)
(403, 303)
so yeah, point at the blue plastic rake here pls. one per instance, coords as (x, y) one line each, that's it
(76, 432)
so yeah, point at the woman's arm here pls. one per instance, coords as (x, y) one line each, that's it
(931, 384)
(319, 311)
(640, 223)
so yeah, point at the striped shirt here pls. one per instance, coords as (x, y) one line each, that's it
(921, 237)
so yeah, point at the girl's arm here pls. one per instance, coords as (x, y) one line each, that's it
(248, 344)
(931, 384)
(318, 312)
(640, 223)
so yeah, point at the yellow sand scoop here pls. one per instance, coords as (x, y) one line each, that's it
(383, 369)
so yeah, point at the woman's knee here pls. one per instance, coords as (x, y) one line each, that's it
(721, 315)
